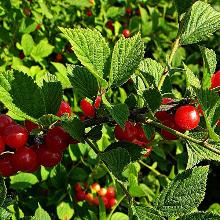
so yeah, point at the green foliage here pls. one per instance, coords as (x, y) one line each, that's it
(3, 191)
(198, 23)
(201, 216)
(40, 214)
(184, 193)
(126, 57)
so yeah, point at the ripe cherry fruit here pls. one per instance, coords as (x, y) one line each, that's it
(110, 192)
(64, 108)
(215, 80)
(80, 196)
(58, 57)
(95, 187)
(2, 145)
(29, 125)
(5, 120)
(87, 108)
(25, 159)
(89, 13)
(6, 167)
(15, 136)
(187, 117)
(98, 101)
(126, 33)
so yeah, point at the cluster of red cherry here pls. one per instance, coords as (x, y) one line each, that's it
(17, 154)
(107, 195)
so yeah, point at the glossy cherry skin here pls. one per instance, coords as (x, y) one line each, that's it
(126, 33)
(140, 135)
(187, 117)
(2, 145)
(95, 187)
(110, 192)
(97, 102)
(102, 192)
(47, 157)
(171, 124)
(89, 197)
(110, 25)
(112, 202)
(126, 134)
(167, 101)
(64, 108)
(29, 125)
(15, 136)
(80, 196)
(57, 139)
(25, 159)
(215, 80)
(78, 187)
(5, 121)
(87, 108)
(6, 167)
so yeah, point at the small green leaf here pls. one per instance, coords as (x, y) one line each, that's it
(95, 133)
(209, 63)
(102, 211)
(151, 70)
(184, 193)
(126, 57)
(200, 216)
(146, 213)
(23, 181)
(40, 214)
(83, 82)
(116, 160)
(65, 211)
(90, 48)
(45, 10)
(75, 128)
(27, 44)
(198, 23)
(153, 98)
(119, 216)
(120, 113)
(3, 191)
(5, 214)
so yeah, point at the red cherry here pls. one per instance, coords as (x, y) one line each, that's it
(167, 101)
(15, 136)
(110, 25)
(140, 135)
(47, 157)
(89, 13)
(126, 134)
(163, 115)
(199, 109)
(102, 192)
(2, 145)
(80, 196)
(110, 192)
(64, 108)
(25, 159)
(29, 125)
(95, 201)
(128, 11)
(112, 202)
(57, 139)
(215, 80)
(5, 121)
(95, 187)
(89, 197)
(38, 26)
(6, 167)
(187, 117)
(171, 124)
(87, 108)
(58, 57)
(98, 102)
(105, 201)
(126, 33)
(77, 187)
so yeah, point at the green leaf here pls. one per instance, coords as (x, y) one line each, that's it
(151, 70)
(198, 23)
(45, 10)
(3, 191)
(23, 181)
(81, 3)
(200, 216)
(184, 193)
(27, 95)
(120, 113)
(209, 63)
(214, 208)
(102, 210)
(95, 133)
(75, 128)
(83, 82)
(40, 214)
(65, 211)
(52, 94)
(197, 153)
(210, 103)
(153, 98)
(90, 48)
(114, 12)
(126, 57)
(4, 214)
(146, 213)
(41, 50)
(119, 216)
(116, 160)
(62, 75)
(27, 44)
